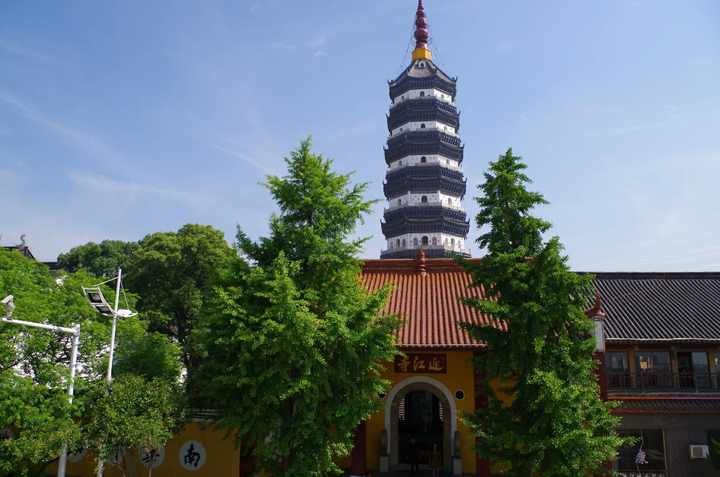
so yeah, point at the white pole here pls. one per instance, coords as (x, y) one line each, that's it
(112, 333)
(112, 353)
(71, 390)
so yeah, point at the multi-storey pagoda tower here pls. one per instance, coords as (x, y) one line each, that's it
(424, 183)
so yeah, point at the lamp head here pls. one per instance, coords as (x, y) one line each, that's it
(97, 300)
(9, 305)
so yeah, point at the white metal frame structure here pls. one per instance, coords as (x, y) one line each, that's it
(75, 332)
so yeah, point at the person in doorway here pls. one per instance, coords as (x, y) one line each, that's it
(413, 457)
(435, 461)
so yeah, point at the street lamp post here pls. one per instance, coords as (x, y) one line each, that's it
(97, 300)
(75, 332)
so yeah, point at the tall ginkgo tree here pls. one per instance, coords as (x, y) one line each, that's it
(544, 412)
(294, 349)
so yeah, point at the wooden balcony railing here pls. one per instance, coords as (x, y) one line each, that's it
(661, 382)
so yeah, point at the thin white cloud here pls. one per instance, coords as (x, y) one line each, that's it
(321, 53)
(129, 189)
(241, 156)
(20, 164)
(255, 7)
(79, 139)
(282, 45)
(11, 48)
(317, 42)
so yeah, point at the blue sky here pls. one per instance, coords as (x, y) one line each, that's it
(119, 119)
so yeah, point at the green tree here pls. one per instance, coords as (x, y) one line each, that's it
(173, 273)
(556, 422)
(134, 414)
(715, 461)
(101, 260)
(34, 362)
(296, 344)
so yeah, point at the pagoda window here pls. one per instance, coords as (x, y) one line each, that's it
(423, 159)
(452, 243)
(403, 242)
(446, 241)
(434, 240)
(398, 242)
(415, 241)
(422, 94)
(423, 199)
(425, 240)
(422, 126)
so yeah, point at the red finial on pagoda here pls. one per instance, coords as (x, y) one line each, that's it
(421, 33)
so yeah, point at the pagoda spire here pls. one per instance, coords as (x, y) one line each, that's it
(421, 35)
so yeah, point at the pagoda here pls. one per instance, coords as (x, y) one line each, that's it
(424, 183)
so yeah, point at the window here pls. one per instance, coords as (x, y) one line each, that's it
(650, 445)
(452, 243)
(403, 242)
(415, 241)
(657, 361)
(617, 367)
(398, 242)
(693, 361)
(423, 159)
(446, 241)
(425, 240)
(434, 240)
(449, 201)
(617, 362)
(422, 126)
(423, 199)
(422, 94)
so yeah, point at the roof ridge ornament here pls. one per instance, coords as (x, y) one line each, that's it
(421, 255)
(421, 35)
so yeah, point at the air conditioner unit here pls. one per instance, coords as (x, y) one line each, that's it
(698, 452)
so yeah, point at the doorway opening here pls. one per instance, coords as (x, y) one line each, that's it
(420, 416)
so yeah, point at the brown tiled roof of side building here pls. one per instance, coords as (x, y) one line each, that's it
(429, 301)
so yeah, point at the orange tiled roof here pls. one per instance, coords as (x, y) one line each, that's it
(428, 301)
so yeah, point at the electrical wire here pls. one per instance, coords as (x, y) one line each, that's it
(434, 44)
(407, 50)
(124, 295)
(103, 283)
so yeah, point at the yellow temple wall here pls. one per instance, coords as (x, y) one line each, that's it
(458, 375)
(222, 458)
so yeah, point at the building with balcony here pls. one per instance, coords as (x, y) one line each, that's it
(662, 341)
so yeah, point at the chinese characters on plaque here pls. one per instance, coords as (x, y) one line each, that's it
(153, 458)
(420, 363)
(192, 455)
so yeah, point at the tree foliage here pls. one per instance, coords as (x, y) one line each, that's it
(133, 414)
(713, 460)
(34, 362)
(555, 421)
(101, 260)
(171, 272)
(294, 345)
(34, 366)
